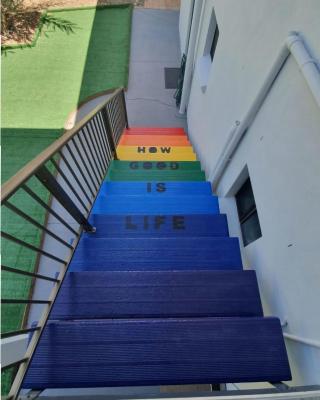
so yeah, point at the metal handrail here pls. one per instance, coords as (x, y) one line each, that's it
(9, 187)
(71, 170)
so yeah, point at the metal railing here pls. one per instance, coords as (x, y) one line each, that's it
(69, 174)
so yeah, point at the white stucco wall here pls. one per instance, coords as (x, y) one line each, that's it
(281, 151)
(184, 21)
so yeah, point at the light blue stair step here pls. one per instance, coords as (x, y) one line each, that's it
(159, 225)
(160, 294)
(156, 205)
(153, 254)
(156, 188)
(141, 352)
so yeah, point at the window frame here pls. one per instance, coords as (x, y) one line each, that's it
(245, 215)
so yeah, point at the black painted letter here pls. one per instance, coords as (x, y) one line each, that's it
(161, 187)
(134, 165)
(158, 221)
(178, 222)
(174, 165)
(129, 224)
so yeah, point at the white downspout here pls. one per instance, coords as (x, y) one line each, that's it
(308, 66)
(190, 56)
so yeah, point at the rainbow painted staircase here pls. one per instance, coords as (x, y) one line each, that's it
(157, 295)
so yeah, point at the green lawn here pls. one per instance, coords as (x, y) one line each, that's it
(41, 85)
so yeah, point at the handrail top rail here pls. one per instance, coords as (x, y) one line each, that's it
(12, 184)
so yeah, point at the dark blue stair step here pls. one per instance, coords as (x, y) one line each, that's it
(155, 204)
(138, 352)
(153, 254)
(159, 225)
(160, 294)
(156, 188)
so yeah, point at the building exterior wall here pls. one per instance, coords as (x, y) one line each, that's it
(280, 151)
(184, 21)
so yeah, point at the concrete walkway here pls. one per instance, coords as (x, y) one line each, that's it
(154, 46)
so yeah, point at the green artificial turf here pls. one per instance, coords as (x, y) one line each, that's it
(41, 85)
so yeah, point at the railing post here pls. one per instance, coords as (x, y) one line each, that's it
(49, 181)
(107, 125)
(123, 99)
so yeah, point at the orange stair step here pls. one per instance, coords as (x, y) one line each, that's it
(150, 130)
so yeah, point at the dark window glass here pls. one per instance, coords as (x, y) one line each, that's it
(214, 42)
(248, 216)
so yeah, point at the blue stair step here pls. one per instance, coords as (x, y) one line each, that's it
(110, 226)
(153, 254)
(154, 204)
(163, 294)
(93, 353)
(156, 188)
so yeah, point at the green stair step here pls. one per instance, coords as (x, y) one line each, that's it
(153, 175)
(156, 165)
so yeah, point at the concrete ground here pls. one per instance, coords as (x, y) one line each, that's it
(154, 46)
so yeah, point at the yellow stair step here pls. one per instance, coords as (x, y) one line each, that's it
(155, 153)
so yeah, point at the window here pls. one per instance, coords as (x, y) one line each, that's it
(214, 42)
(248, 216)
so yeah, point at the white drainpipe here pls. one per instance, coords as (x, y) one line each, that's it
(294, 44)
(190, 56)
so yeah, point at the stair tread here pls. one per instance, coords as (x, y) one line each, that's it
(158, 226)
(147, 130)
(161, 153)
(157, 165)
(132, 254)
(142, 175)
(154, 204)
(93, 353)
(153, 140)
(172, 188)
(115, 294)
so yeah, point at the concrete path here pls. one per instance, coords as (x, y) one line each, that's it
(154, 46)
